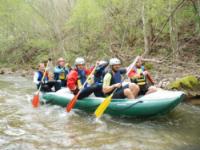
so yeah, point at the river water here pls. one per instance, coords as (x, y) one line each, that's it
(50, 127)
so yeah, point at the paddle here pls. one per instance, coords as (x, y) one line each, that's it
(102, 107)
(36, 100)
(74, 99)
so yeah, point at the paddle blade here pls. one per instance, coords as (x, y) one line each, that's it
(102, 107)
(72, 103)
(35, 101)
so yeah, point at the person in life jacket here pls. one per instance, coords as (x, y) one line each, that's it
(60, 72)
(113, 79)
(77, 77)
(46, 83)
(141, 76)
(100, 71)
(99, 74)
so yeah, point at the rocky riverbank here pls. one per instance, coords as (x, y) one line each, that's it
(189, 84)
(20, 72)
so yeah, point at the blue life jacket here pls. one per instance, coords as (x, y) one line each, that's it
(117, 78)
(40, 75)
(82, 76)
(60, 73)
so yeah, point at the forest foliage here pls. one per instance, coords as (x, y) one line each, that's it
(34, 30)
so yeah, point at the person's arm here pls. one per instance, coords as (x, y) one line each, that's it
(100, 69)
(149, 77)
(35, 78)
(71, 80)
(57, 70)
(56, 73)
(88, 71)
(107, 88)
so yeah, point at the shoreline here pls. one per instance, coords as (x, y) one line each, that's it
(163, 83)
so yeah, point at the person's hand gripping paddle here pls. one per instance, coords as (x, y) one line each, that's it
(74, 99)
(102, 107)
(36, 99)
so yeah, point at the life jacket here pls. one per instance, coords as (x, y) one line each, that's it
(142, 79)
(40, 75)
(60, 73)
(115, 78)
(81, 77)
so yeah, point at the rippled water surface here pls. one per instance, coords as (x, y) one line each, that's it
(50, 127)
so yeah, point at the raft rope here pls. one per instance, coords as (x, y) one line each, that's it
(128, 107)
(121, 110)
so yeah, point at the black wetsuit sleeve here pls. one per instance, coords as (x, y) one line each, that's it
(122, 70)
(100, 69)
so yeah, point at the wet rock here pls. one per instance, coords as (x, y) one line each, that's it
(5, 71)
(189, 84)
(164, 83)
(24, 73)
(2, 72)
(9, 71)
(13, 69)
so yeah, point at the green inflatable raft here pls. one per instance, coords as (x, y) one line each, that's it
(158, 103)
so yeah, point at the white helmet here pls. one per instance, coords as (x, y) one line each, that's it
(79, 61)
(114, 61)
(102, 62)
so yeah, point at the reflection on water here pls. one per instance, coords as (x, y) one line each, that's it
(50, 127)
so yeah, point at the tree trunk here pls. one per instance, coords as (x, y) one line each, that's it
(196, 6)
(173, 33)
(145, 33)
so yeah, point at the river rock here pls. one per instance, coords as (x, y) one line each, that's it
(5, 71)
(189, 84)
(2, 72)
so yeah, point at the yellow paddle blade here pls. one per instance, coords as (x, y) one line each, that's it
(102, 107)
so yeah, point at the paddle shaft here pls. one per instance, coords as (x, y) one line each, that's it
(74, 99)
(102, 107)
(93, 70)
(128, 71)
(45, 71)
(82, 86)
(35, 101)
(131, 65)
